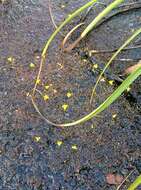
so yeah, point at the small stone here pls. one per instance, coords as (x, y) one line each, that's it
(63, 6)
(114, 179)
(102, 79)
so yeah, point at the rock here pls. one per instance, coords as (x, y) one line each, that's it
(114, 179)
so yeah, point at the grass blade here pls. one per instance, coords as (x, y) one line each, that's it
(93, 24)
(129, 40)
(101, 16)
(126, 83)
(135, 184)
(67, 20)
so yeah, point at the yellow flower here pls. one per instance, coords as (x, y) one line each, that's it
(46, 97)
(59, 143)
(37, 138)
(74, 147)
(31, 65)
(38, 81)
(10, 59)
(114, 116)
(111, 82)
(69, 94)
(47, 87)
(128, 89)
(65, 107)
(95, 66)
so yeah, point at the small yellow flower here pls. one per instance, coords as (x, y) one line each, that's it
(69, 94)
(38, 81)
(47, 87)
(111, 82)
(32, 65)
(74, 147)
(10, 59)
(114, 116)
(65, 107)
(95, 66)
(46, 97)
(128, 89)
(37, 138)
(59, 143)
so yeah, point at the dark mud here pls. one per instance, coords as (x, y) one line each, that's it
(30, 158)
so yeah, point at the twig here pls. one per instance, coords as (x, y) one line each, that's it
(51, 15)
(112, 50)
(69, 34)
(52, 18)
(125, 179)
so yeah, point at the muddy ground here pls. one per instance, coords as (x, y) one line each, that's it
(31, 154)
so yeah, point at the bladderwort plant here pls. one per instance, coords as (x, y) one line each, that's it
(125, 84)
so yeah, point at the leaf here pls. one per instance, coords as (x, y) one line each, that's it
(126, 83)
(136, 183)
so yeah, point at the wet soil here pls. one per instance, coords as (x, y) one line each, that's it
(31, 157)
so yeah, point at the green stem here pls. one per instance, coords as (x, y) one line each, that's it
(135, 184)
(100, 16)
(67, 20)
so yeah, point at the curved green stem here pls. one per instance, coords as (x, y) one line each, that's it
(129, 80)
(100, 16)
(67, 20)
(135, 184)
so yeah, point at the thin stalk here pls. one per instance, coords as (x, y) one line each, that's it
(93, 24)
(100, 16)
(69, 34)
(67, 20)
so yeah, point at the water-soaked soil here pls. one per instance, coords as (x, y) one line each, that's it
(37, 156)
